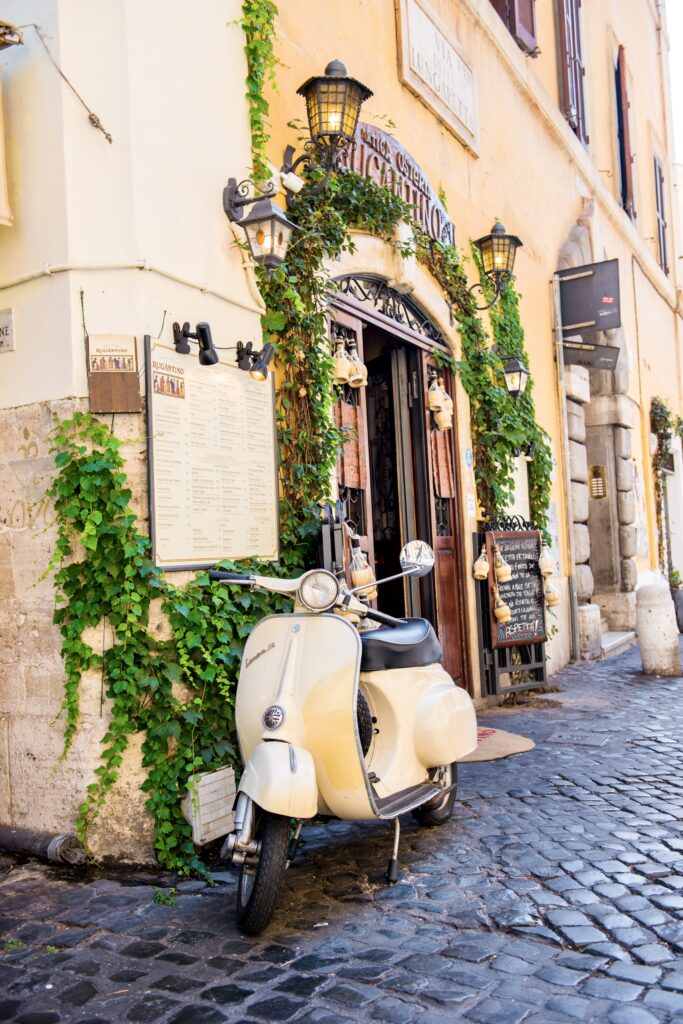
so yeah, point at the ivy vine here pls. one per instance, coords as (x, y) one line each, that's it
(665, 426)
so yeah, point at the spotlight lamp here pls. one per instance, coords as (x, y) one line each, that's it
(267, 228)
(256, 363)
(259, 370)
(497, 251)
(202, 335)
(333, 103)
(516, 377)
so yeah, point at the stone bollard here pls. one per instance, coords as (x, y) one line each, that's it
(657, 631)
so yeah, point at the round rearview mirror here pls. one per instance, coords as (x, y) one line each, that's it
(417, 558)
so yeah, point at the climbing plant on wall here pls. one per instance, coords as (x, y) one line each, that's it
(664, 426)
(176, 684)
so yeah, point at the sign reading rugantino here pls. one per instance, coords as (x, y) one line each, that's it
(378, 156)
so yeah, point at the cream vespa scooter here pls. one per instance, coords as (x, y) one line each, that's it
(339, 723)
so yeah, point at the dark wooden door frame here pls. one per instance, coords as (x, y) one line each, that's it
(346, 305)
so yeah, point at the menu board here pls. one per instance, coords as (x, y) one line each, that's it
(523, 593)
(212, 461)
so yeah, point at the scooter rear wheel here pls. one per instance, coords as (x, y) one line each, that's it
(260, 877)
(439, 810)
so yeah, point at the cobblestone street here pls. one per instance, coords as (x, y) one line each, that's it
(556, 894)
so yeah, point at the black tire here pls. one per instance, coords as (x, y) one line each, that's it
(365, 723)
(260, 878)
(439, 810)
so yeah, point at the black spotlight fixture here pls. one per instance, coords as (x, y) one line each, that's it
(255, 363)
(497, 251)
(202, 335)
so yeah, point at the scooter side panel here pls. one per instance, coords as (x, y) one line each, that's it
(424, 721)
(280, 778)
(308, 665)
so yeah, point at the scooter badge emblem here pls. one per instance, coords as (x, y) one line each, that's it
(273, 717)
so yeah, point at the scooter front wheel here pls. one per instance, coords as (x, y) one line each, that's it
(439, 809)
(260, 877)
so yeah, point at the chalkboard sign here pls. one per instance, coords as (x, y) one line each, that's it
(523, 593)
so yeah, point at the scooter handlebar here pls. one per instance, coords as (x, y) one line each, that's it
(235, 577)
(387, 620)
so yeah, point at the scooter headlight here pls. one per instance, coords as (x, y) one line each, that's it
(319, 589)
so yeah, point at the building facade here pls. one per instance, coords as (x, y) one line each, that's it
(554, 117)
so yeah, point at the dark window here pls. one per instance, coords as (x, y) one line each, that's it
(624, 137)
(661, 219)
(571, 67)
(519, 16)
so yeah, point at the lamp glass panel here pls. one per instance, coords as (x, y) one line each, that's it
(486, 250)
(333, 106)
(514, 381)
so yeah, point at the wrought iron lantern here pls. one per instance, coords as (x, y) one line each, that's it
(516, 377)
(267, 228)
(497, 251)
(333, 103)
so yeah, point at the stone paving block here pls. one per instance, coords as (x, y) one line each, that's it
(275, 1009)
(196, 1014)
(607, 988)
(661, 999)
(573, 1007)
(673, 981)
(639, 974)
(556, 975)
(494, 1011)
(632, 1015)
(394, 1011)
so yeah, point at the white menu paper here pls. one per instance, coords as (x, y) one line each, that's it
(213, 462)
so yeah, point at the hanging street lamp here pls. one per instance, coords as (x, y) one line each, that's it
(497, 251)
(333, 102)
(516, 377)
(267, 228)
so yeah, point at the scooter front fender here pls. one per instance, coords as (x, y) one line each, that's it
(280, 778)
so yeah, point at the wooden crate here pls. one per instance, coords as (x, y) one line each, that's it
(208, 805)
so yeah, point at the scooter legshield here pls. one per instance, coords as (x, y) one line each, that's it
(280, 778)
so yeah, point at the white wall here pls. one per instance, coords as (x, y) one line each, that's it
(170, 90)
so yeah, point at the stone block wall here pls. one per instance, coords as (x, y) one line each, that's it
(36, 789)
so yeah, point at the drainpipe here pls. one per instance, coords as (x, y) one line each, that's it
(57, 849)
(562, 401)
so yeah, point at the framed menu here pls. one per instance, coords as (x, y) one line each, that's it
(523, 594)
(212, 460)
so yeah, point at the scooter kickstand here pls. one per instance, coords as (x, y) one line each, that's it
(392, 870)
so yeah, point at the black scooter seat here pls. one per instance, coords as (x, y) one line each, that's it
(410, 645)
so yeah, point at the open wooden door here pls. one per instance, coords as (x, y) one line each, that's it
(444, 514)
(350, 415)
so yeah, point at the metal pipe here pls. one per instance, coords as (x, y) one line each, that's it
(50, 269)
(562, 400)
(60, 849)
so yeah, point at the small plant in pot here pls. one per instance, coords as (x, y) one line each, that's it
(676, 584)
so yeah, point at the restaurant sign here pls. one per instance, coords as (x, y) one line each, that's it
(377, 155)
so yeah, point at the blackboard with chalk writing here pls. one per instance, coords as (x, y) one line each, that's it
(523, 593)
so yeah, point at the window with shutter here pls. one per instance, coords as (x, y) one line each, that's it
(520, 18)
(661, 219)
(624, 137)
(571, 67)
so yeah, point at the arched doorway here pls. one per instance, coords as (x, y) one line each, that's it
(397, 474)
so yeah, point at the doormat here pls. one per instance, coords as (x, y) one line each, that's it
(496, 743)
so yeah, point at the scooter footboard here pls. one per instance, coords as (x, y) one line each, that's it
(446, 725)
(280, 778)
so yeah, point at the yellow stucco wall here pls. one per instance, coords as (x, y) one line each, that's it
(531, 170)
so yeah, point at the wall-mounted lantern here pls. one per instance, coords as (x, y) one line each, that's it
(267, 228)
(497, 251)
(333, 103)
(516, 377)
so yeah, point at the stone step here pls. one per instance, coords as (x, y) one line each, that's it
(615, 642)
